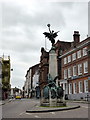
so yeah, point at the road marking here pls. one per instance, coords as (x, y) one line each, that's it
(37, 106)
(29, 113)
(36, 116)
(52, 113)
(65, 111)
(84, 106)
(21, 113)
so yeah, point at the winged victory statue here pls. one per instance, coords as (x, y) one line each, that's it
(51, 35)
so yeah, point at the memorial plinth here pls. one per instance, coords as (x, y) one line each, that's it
(52, 93)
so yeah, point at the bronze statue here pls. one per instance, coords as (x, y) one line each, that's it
(51, 36)
(56, 91)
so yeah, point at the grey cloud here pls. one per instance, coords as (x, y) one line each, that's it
(13, 15)
(20, 47)
(17, 81)
(10, 15)
(62, 4)
(22, 30)
(30, 57)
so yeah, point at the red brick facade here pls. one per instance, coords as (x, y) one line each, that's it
(75, 69)
(44, 61)
(73, 59)
(43, 68)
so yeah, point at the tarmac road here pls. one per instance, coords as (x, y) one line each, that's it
(17, 109)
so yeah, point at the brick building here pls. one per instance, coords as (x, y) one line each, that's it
(44, 61)
(60, 47)
(75, 69)
(73, 61)
(43, 68)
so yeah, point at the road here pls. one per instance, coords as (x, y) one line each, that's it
(17, 109)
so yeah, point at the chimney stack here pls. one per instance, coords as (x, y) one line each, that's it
(76, 37)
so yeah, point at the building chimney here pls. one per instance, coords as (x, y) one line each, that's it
(76, 37)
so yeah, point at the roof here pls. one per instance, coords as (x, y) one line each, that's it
(79, 45)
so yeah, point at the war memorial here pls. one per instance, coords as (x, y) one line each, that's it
(52, 93)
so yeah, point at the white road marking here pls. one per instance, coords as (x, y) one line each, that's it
(29, 113)
(65, 111)
(52, 113)
(36, 116)
(21, 113)
(84, 106)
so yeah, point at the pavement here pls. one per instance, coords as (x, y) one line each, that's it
(78, 101)
(3, 102)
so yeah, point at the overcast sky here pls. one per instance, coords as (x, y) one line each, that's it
(23, 24)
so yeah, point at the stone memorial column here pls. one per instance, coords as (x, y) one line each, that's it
(53, 63)
(52, 71)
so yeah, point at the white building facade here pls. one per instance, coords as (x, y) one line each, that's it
(27, 84)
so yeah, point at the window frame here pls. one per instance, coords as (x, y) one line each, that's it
(65, 73)
(85, 86)
(69, 58)
(79, 54)
(80, 87)
(85, 65)
(65, 60)
(84, 51)
(74, 71)
(80, 69)
(69, 72)
(70, 88)
(73, 56)
(74, 88)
